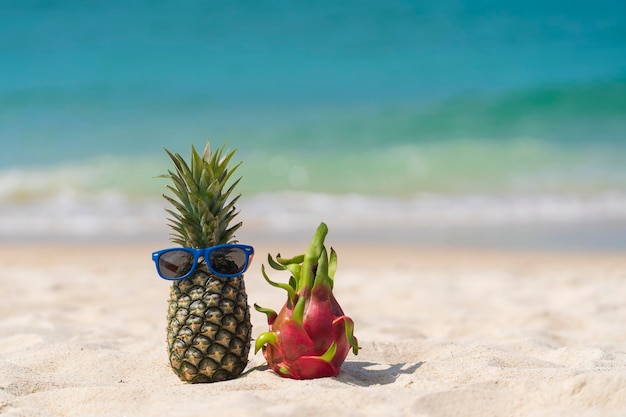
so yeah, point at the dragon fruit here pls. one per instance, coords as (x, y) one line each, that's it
(311, 336)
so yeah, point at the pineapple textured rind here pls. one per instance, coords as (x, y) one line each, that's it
(209, 328)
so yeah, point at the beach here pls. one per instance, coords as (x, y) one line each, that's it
(443, 332)
(468, 158)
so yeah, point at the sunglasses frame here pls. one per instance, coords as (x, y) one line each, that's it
(204, 253)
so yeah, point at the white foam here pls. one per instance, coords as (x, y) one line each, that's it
(110, 214)
(67, 215)
(288, 210)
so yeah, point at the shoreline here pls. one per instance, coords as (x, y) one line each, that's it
(518, 221)
(592, 237)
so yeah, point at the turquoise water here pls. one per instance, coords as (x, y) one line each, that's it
(407, 113)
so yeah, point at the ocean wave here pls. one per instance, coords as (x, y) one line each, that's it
(110, 216)
(126, 176)
(295, 210)
(47, 130)
(521, 166)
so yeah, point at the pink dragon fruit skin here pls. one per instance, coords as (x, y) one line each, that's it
(311, 336)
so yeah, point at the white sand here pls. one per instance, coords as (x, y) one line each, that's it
(443, 333)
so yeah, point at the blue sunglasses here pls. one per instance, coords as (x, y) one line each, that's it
(226, 261)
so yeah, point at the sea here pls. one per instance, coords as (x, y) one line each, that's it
(498, 124)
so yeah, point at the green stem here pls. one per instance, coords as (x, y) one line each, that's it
(332, 266)
(265, 338)
(310, 259)
(329, 355)
(291, 294)
(349, 326)
(271, 314)
(286, 261)
(275, 264)
(298, 311)
(321, 275)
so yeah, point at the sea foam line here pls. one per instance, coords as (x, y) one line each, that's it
(113, 214)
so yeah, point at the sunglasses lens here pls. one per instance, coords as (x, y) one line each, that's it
(228, 261)
(175, 263)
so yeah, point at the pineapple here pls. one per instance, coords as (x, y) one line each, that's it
(208, 319)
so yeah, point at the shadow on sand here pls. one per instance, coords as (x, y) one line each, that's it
(371, 373)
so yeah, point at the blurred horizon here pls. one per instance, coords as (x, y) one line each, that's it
(443, 114)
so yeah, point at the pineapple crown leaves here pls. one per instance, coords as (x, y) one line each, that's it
(203, 207)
